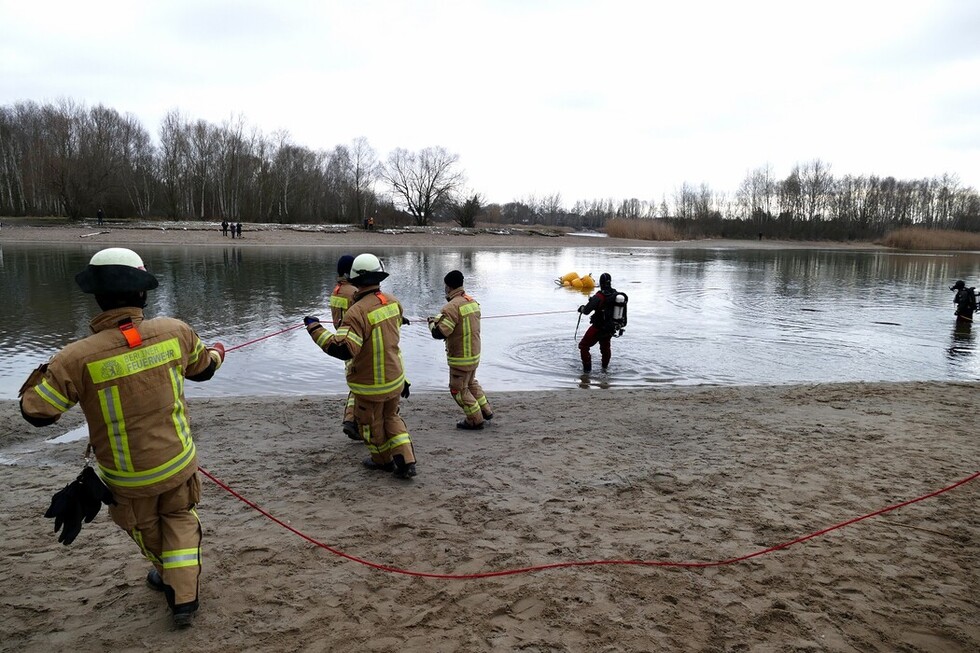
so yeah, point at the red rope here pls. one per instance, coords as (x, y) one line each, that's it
(583, 563)
(246, 344)
(297, 326)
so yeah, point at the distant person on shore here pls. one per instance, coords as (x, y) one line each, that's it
(965, 301)
(100, 217)
(128, 376)
(238, 229)
(458, 323)
(224, 227)
(371, 224)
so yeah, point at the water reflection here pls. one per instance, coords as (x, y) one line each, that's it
(961, 344)
(716, 316)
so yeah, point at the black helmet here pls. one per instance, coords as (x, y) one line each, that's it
(115, 271)
(605, 281)
(959, 285)
(343, 265)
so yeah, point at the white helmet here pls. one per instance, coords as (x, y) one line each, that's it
(367, 270)
(115, 270)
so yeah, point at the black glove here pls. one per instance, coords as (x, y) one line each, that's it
(93, 493)
(405, 321)
(309, 319)
(79, 500)
(405, 389)
(581, 309)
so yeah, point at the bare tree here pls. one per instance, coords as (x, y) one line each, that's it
(364, 171)
(816, 183)
(424, 182)
(756, 195)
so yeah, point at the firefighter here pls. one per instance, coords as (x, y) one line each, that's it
(458, 323)
(601, 326)
(128, 377)
(340, 301)
(368, 338)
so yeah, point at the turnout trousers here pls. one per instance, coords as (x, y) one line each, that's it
(592, 336)
(168, 532)
(383, 429)
(466, 392)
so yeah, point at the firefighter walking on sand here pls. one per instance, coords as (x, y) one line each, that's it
(458, 323)
(608, 309)
(368, 338)
(128, 377)
(340, 301)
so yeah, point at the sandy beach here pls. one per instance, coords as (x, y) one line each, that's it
(694, 475)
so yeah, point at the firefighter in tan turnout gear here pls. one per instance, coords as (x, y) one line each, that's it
(458, 323)
(340, 301)
(128, 377)
(368, 339)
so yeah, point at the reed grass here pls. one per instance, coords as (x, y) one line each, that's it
(642, 229)
(920, 238)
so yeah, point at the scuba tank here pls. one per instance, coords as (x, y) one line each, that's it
(618, 313)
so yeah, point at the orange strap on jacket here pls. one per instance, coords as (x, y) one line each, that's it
(381, 298)
(133, 337)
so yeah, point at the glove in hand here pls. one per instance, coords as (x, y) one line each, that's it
(581, 309)
(405, 389)
(405, 321)
(220, 348)
(79, 500)
(67, 512)
(309, 320)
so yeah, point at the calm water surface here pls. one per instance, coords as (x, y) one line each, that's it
(696, 316)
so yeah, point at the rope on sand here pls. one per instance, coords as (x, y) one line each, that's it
(582, 563)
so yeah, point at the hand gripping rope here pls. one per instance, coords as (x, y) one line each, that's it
(573, 563)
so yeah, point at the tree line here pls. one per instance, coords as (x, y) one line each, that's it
(64, 159)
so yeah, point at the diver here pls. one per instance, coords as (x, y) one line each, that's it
(965, 301)
(608, 309)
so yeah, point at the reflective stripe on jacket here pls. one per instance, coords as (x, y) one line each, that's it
(340, 300)
(459, 322)
(132, 397)
(371, 331)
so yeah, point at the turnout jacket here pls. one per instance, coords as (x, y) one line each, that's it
(340, 300)
(131, 389)
(459, 324)
(368, 337)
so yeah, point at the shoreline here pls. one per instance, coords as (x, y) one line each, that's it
(442, 235)
(693, 474)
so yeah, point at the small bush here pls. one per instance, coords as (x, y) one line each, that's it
(641, 229)
(919, 238)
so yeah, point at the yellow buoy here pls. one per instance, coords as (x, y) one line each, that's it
(568, 277)
(588, 282)
(576, 283)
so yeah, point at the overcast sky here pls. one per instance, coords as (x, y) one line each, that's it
(589, 99)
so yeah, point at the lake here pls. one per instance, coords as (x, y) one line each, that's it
(696, 316)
